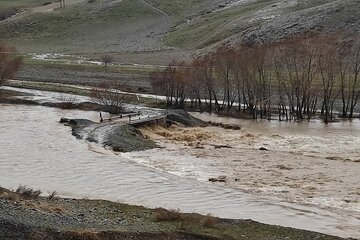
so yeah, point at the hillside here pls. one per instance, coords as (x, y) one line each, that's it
(134, 29)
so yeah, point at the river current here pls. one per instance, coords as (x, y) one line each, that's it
(36, 150)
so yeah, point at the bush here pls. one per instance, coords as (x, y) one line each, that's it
(162, 215)
(209, 221)
(10, 63)
(110, 96)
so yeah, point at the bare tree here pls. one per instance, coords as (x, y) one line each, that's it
(109, 95)
(163, 82)
(294, 77)
(224, 63)
(295, 67)
(10, 63)
(106, 59)
(327, 61)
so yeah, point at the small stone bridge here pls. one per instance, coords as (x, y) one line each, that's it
(138, 120)
(158, 120)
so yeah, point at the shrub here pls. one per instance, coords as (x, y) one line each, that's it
(162, 215)
(110, 96)
(208, 221)
(10, 63)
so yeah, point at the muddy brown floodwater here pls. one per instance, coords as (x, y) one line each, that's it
(38, 151)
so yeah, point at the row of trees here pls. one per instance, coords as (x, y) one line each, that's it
(295, 79)
(10, 63)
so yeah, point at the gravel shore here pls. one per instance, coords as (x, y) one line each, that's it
(31, 217)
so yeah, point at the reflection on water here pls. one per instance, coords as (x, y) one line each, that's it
(312, 127)
(38, 151)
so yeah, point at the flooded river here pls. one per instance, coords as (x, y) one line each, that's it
(38, 151)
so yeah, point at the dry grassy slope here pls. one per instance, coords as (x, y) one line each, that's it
(267, 20)
(127, 26)
(105, 25)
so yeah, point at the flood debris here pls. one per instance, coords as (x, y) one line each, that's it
(218, 179)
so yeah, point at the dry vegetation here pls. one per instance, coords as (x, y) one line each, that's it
(10, 62)
(109, 95)
(163, 215)
(294, 79)
(27, 192)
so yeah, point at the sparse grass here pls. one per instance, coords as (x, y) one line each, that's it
(27, 192)
(46, 86)
(52, 195)
(64, 64)
(137, 221)
(207, 29)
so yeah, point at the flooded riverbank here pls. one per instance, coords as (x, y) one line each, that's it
(38, 151)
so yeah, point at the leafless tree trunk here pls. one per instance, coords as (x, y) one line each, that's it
(110, 96)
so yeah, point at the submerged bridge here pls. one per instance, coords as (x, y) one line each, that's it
(136, 120)
(159, 119)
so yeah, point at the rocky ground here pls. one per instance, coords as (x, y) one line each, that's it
(28, 216)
